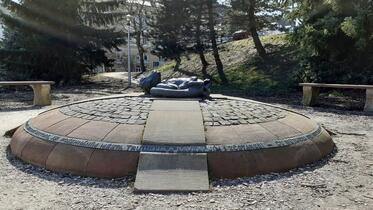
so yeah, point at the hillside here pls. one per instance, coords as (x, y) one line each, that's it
(247, 73)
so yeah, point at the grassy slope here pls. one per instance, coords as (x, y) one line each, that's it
(247, 73)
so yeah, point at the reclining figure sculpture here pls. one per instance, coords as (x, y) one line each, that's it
(175, 87)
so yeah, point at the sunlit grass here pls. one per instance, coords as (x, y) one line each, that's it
(247, 81)
(168, 66)
(246, 72)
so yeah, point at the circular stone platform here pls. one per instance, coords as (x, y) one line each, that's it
(103, 137)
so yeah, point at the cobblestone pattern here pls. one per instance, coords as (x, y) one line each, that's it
(127, 110)
(222, 112)
(135, 110)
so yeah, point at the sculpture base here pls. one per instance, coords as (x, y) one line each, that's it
(104, 137)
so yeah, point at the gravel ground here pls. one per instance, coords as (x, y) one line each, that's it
(20, 98)
(342, 181)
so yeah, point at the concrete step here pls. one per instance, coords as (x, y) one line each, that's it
(169, 172)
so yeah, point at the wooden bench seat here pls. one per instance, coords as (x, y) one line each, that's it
(41, 90)
(311, 93)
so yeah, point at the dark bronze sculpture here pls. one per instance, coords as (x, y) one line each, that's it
(150, 81)
(176, 87)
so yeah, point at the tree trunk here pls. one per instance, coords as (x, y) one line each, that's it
(253, 30)
(177, 65)
(200, 48)
(141, 52)
(139, 46)
(212, 33)
(204, 65)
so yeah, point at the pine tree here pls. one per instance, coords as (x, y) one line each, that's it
(254, 15)
(335, 40)
(57, 40)
(200, 34)
(212, 33)
(169, 29)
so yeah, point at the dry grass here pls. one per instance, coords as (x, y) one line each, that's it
(247, 73)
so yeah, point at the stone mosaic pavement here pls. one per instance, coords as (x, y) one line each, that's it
(126, 110)
(223, 112)
(135, 110)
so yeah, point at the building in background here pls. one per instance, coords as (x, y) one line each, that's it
(120, 57)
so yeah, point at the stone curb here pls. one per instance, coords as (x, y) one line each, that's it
(169, 148)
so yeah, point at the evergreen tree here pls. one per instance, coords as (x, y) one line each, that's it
(169, 29)
(254, 15)
(335, 40)
(56, 40)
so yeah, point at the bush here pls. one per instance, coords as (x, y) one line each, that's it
(336, 42)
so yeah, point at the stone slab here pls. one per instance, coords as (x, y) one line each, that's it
(48, 119)
(166, 172)
(221, 135)
(254, 133)
(175, 105)
(174, 122)
(112, 164)
(238, 134)
(280, 130)
(337, 85)
(94, 130)
(66, 126)
(300, 123)
(369, 101)
(37, 151)
(125, 134)
(19, 141)
(68, 158)
(174, 127)
(26, 82)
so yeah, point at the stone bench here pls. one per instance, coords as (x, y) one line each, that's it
(41, 90)
(311, 93)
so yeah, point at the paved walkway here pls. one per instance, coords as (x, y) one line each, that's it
(120, 75)
(13, 119)
(174, 123)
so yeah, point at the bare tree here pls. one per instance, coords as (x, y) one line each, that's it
(212, 34)
(198, 13)
(253, 30)
(137, 9)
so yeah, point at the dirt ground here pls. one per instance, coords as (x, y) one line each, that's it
(344, 180)
(20, 98)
